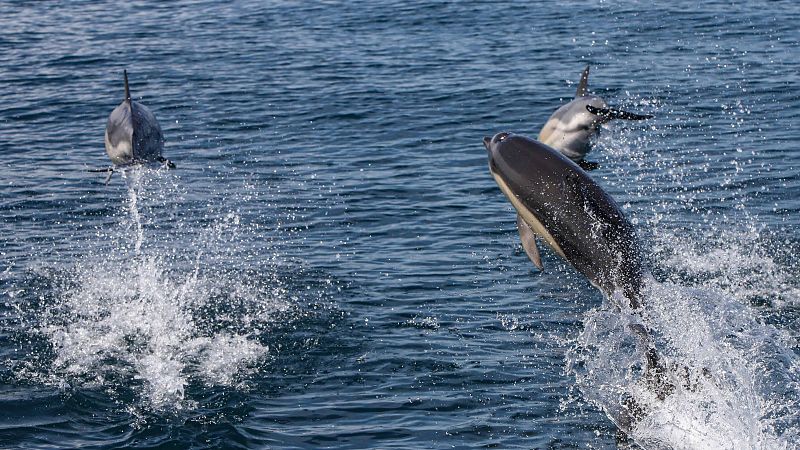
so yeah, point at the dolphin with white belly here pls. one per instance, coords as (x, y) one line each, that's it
(133, 136)
(572, 126)
(559, 204)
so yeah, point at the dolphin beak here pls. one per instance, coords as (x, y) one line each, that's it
(612, 113)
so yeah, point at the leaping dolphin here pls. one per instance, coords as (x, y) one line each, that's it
(133, 136)
(558, 203)
(572, 126)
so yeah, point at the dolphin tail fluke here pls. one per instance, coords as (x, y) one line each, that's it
(655, 369)
(127, 89)
(583, 85)
(656, 378)
(528, 239)
(611, 113)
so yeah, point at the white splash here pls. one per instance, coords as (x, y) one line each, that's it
(736, 383)
(732, 260)
(736, 378)
(128, 316)
(158, 321)
(133, 207)
(731, 398)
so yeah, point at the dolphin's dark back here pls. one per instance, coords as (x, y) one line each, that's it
(584, 220)
(148, 140)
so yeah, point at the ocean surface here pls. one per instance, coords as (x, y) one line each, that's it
(331, 265)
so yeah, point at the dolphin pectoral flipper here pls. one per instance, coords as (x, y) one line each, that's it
(588, 165)
(583, 84)
(528, 238)
(611, 113)
(110, 171)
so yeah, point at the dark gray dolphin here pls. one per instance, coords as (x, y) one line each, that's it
(557, 202)
(572, 126)
(133, 135)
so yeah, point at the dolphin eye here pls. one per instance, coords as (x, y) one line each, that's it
(502, 137)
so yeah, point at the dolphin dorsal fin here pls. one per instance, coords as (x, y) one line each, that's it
(528, 238)
(127, 89)
(583, 85)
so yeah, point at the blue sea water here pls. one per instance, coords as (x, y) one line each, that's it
(332, 266)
